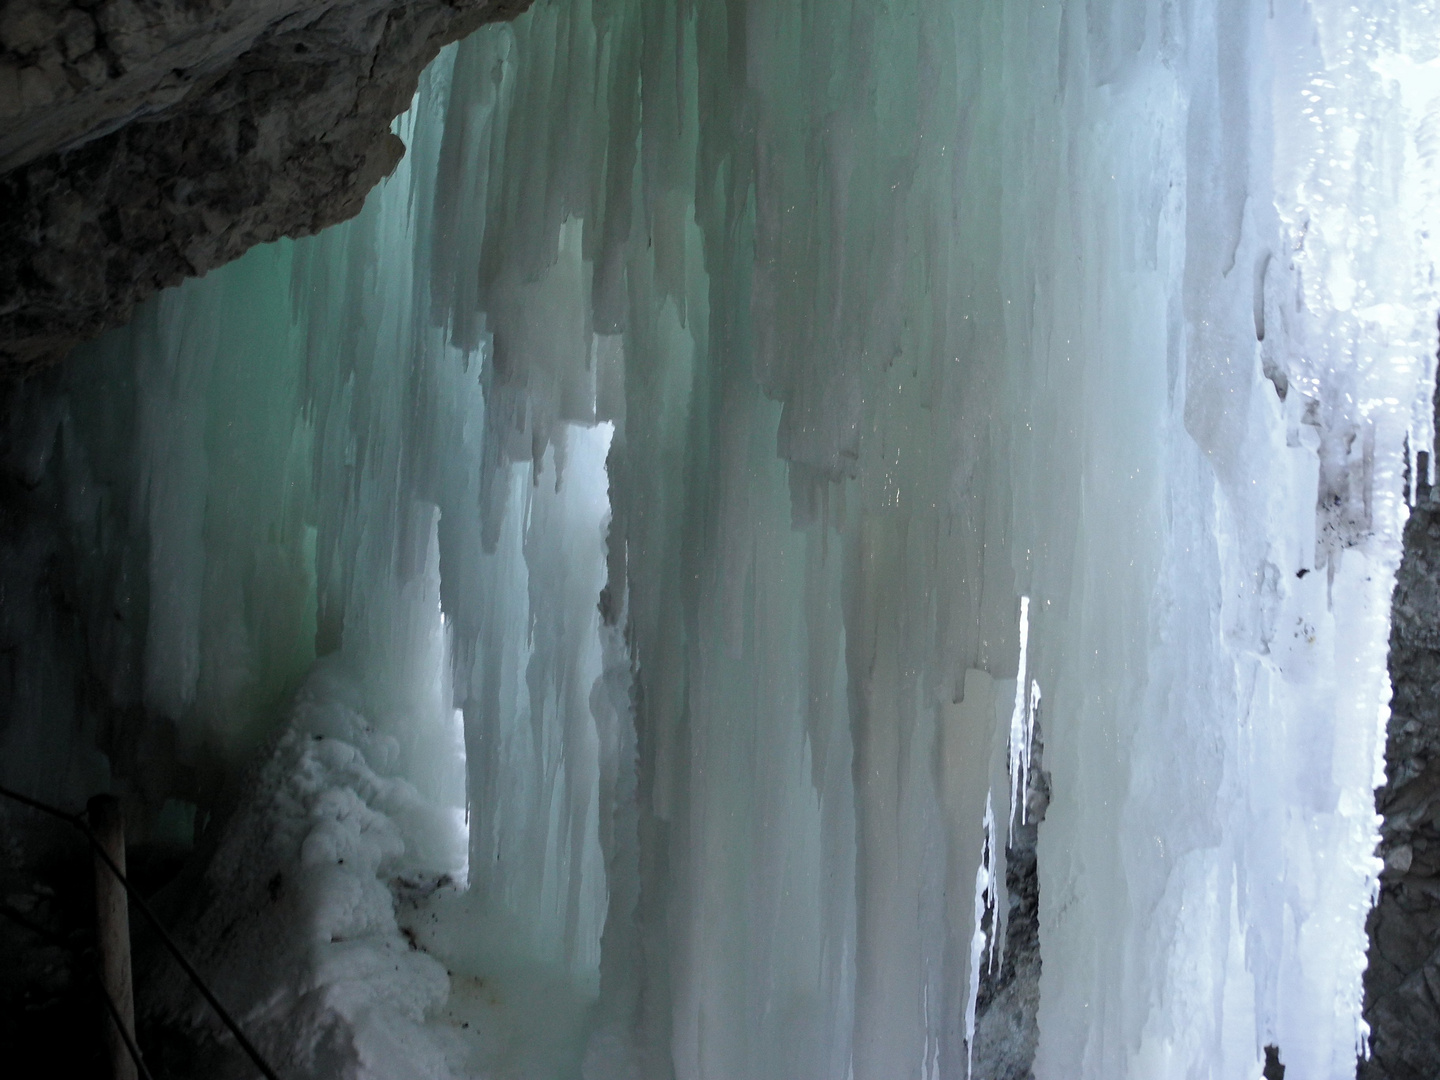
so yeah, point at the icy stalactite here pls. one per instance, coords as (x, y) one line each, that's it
(1022, 722)
(982, 944)
(879, 320)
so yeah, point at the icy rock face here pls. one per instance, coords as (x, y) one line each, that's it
(1400, 1000)
(144, 143)
(752, 417)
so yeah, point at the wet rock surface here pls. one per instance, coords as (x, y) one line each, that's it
(1402, 983)
(145, 142)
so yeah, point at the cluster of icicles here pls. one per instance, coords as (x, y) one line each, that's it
(685, 473)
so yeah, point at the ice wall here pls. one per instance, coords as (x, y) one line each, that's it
(879, 320)
(282, 513)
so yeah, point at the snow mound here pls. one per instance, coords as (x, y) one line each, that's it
(295, 924)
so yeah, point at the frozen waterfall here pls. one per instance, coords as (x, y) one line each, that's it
(618, 539)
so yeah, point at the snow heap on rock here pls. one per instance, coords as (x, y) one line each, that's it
(692, 411)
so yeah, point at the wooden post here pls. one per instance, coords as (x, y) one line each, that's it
(112, 932)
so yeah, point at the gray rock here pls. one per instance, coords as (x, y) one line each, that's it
(1402, 982)
(144, 141)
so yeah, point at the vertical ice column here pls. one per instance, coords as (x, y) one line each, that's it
(534, 775)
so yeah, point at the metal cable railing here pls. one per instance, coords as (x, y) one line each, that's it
(180, 958)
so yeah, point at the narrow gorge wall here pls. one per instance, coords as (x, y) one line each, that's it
(1402, 982)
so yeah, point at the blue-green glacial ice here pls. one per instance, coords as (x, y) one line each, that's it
(594, 575)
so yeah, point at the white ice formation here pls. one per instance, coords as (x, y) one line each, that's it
(692, 410)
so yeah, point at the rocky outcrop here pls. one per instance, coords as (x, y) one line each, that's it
(1007, 1006)
(1402, 982)
(144, 141)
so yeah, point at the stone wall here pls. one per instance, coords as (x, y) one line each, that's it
(1402, 983)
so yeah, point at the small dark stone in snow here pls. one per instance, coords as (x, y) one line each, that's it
(1301, 573)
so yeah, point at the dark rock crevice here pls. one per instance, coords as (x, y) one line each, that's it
(1402, 981)
(157, 173)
